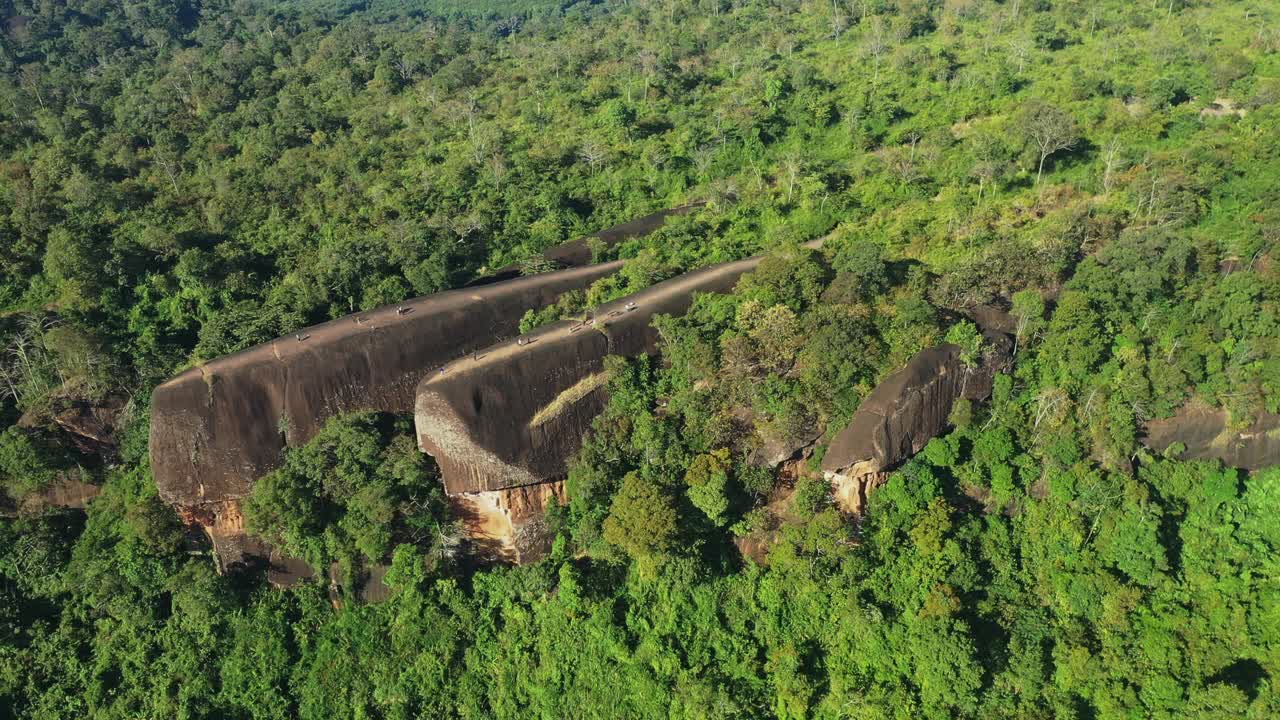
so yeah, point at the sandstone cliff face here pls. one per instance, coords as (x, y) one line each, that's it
(507, 525)
(218, 427)
(513, 414)
(1207, 434)
(903, 413)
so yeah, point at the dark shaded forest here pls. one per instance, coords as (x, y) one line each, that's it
(181, 179)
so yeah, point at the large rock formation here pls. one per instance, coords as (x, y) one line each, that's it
(1207, 433)
(512, 415)
(218, 427)
(903, 413)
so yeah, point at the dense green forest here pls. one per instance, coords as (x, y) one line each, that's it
(180, 179)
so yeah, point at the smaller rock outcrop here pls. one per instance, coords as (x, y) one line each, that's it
(1222, 107)
(773, 451)
(69, 491)
(903, 413)
(284, 571)
(992, 319)
(89, 426)
(1207, 433)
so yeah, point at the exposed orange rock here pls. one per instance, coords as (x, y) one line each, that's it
(507, 525)
(223, 523)
(851, 488)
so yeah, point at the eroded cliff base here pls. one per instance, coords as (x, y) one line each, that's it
(508, 525)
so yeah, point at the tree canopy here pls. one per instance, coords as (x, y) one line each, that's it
(182, 179)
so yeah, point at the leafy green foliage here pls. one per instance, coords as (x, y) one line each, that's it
(965, 335)
(708, 484)
(352, 492)
(28, 462)
(180, 180)
(641, 520)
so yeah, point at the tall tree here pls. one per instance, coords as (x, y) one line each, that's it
(1049, 128)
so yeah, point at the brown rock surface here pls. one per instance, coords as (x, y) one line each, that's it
(16, 26)
(68, 492)
(993, 319)
(903, 413)
(370, 585)
(515, 413)
(218, 427)
(92, 426)
(89, 426)
(284, 571)
(771, 450)
(1207, 434)
(756, 547)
